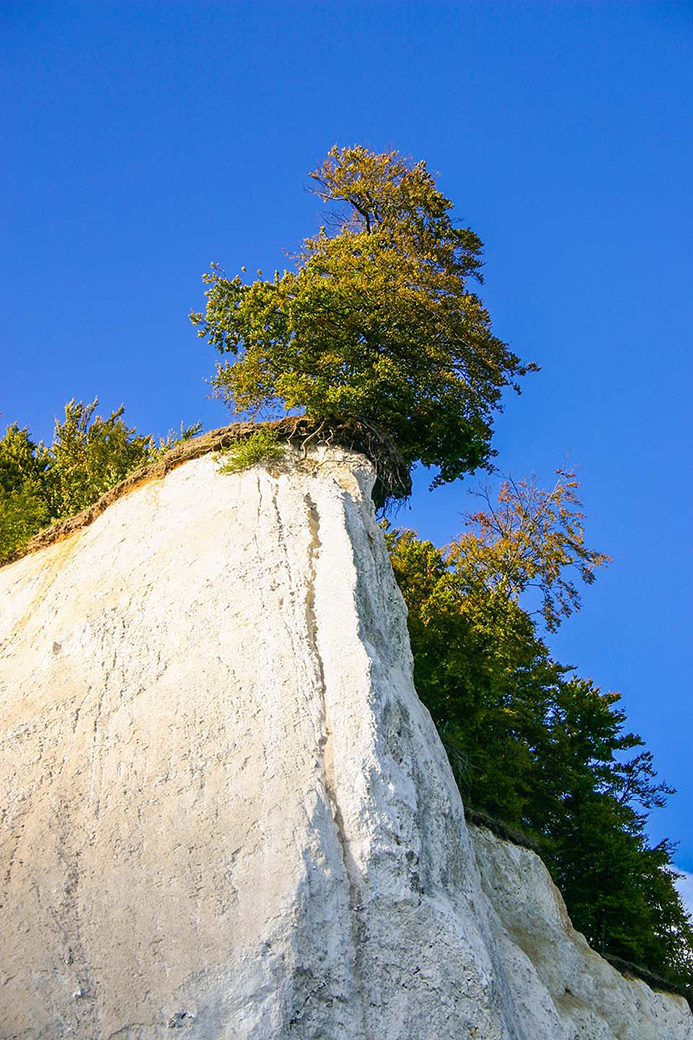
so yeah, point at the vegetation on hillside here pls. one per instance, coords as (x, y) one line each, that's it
(88, 456)
(377, 326)
(530, 743)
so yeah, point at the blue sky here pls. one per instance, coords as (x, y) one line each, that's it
(144, 140)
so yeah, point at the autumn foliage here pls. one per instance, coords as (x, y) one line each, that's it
(378, 322)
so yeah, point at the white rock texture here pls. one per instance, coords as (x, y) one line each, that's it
(225, 812)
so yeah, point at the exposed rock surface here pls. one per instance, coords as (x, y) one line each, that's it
(226, 812)
(591, 998)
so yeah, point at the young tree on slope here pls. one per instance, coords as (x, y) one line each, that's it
(377, 323)
(88, 456)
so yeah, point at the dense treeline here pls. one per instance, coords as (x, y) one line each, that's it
(530, 743)
(88, 456)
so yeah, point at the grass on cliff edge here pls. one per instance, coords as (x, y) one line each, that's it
(263, 446)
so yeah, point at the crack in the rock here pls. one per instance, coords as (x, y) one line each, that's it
(352, 873)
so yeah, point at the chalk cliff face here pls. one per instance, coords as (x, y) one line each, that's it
(225, 810)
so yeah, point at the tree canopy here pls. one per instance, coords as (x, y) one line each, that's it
(88, 456)
(530, 540)
(530, 743)
(377, 323)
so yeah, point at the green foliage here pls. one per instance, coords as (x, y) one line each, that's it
(24, 506)
(88, 456)
(263, 446)
(173, 439)
(531, 744)
(376, 324)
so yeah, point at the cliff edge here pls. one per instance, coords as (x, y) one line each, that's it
(226, 812)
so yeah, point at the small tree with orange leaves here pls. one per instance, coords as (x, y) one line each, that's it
(531, 538)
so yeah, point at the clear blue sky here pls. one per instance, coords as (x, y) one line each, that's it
(143, 140)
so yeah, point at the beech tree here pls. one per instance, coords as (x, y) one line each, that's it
(377, 323)
(529, 540)
(24, 507)
(89, 455)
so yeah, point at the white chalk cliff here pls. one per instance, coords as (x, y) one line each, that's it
(225, 812)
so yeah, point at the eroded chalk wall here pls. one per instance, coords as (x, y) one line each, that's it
(225, 811)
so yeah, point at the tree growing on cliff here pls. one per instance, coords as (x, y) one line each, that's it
(530, 541)
(479, 661)
(377, 323)
(88, 456)
(24, 507)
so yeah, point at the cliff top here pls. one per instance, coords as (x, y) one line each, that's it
(392, 474)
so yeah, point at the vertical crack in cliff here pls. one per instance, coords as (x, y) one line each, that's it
(307, 584)
(351, 870)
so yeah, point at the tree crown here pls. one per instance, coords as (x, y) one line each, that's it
(376, 323)
(531, 538)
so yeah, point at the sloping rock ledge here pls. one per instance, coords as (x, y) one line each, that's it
(392, 477)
